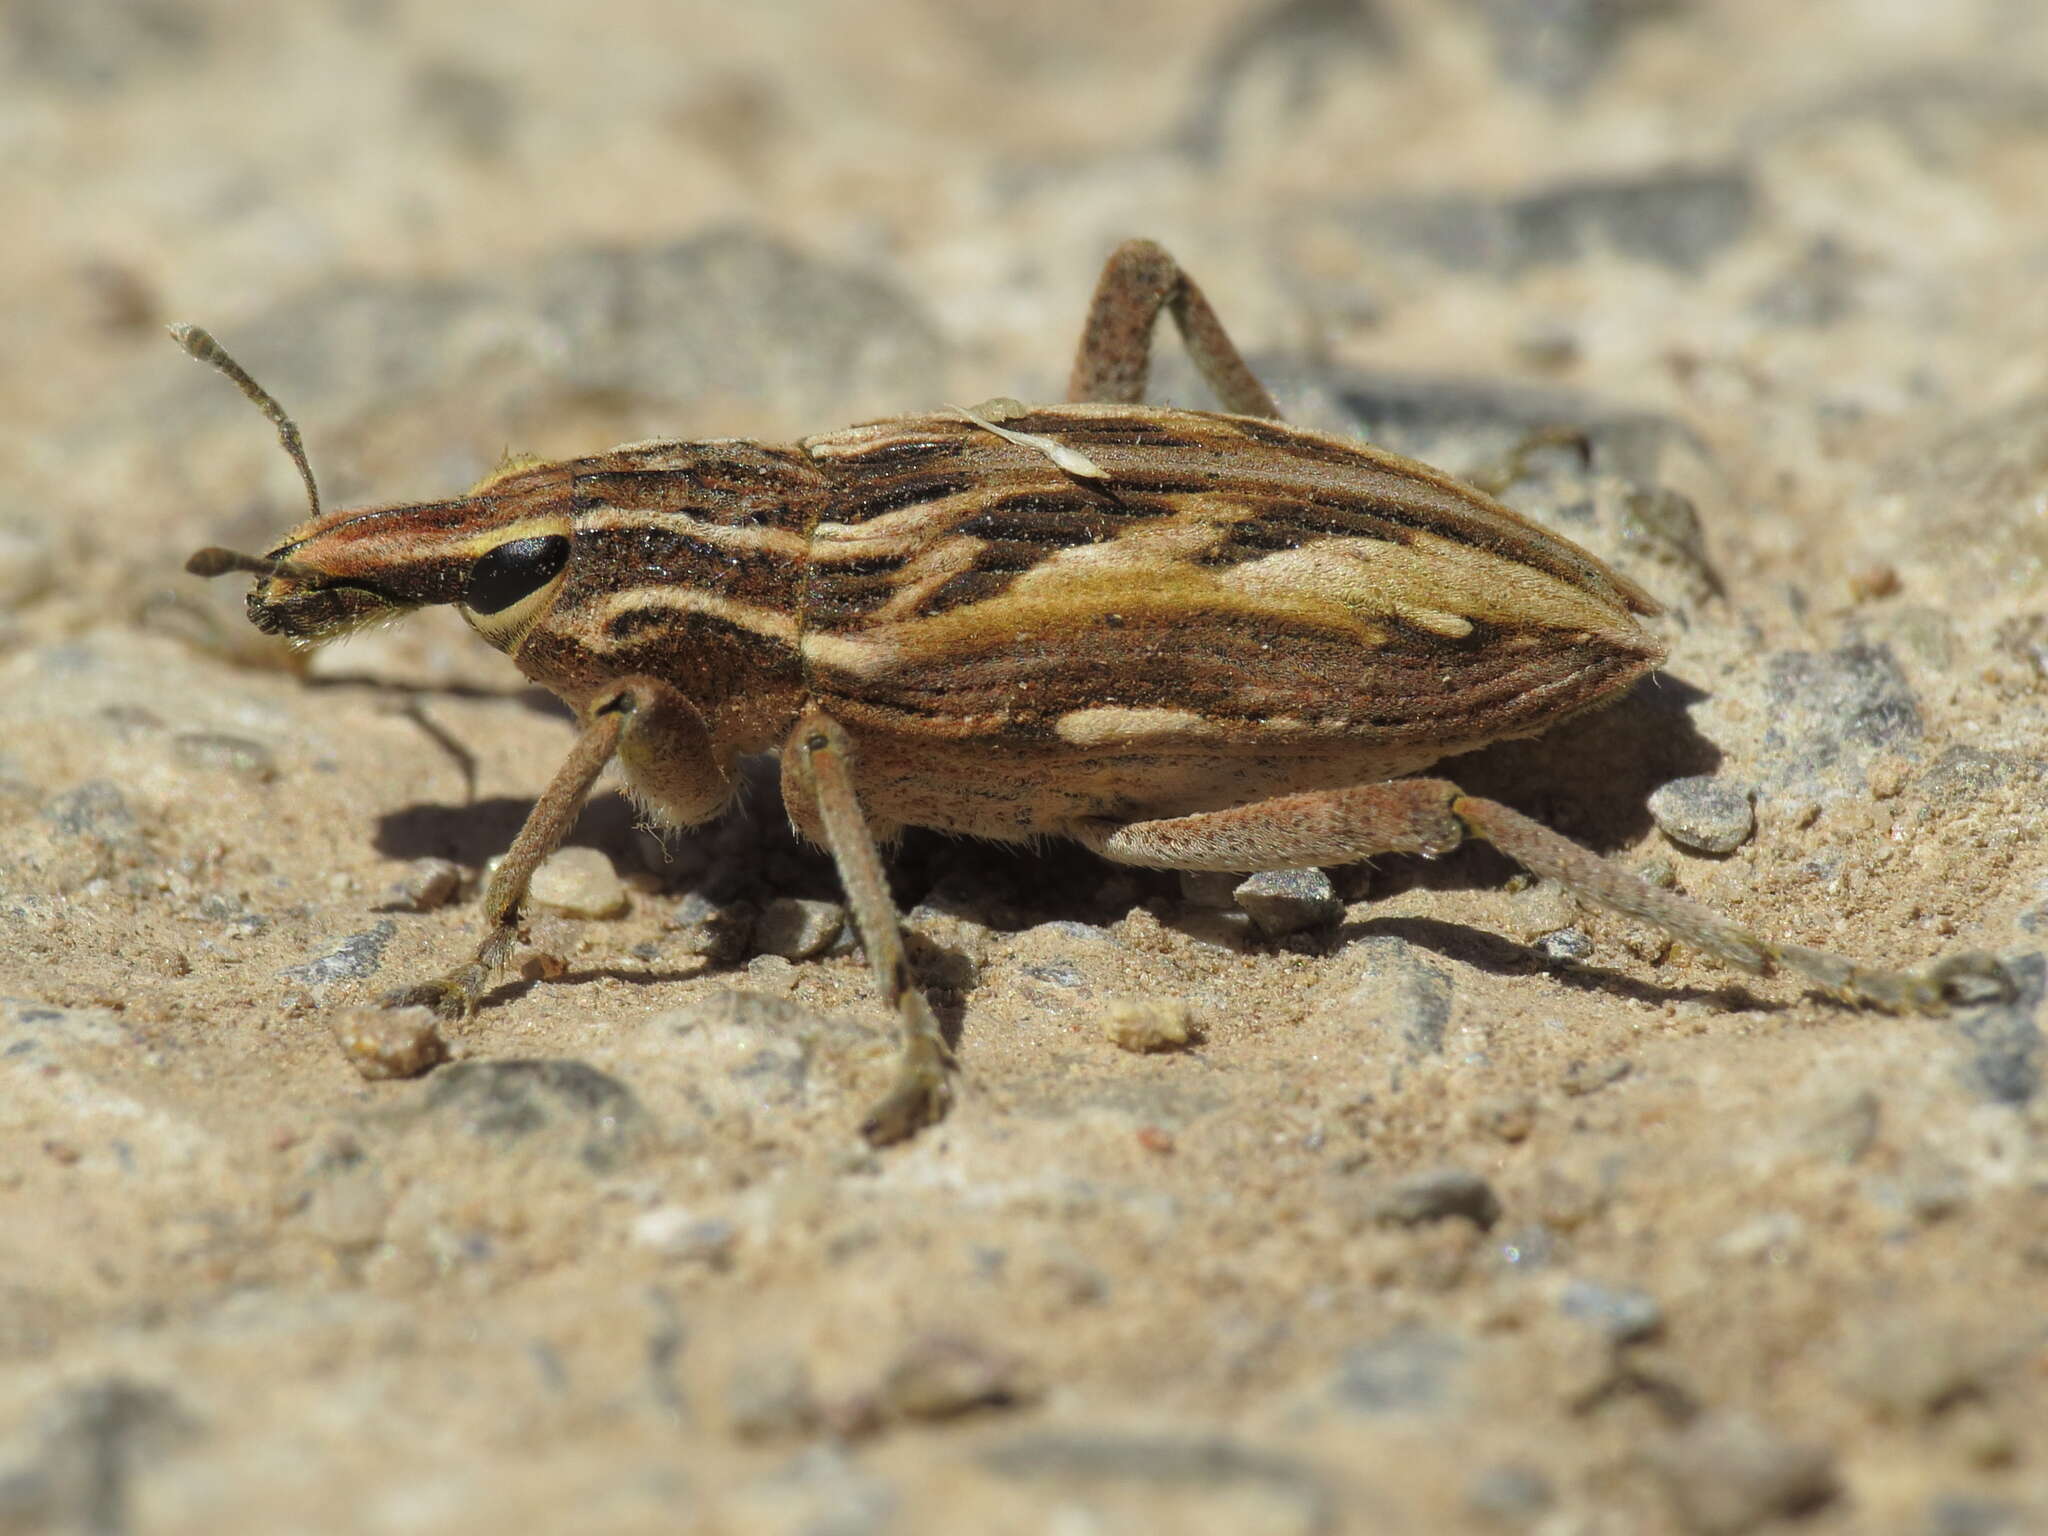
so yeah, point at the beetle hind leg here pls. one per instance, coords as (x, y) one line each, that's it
(1115, 356)
(1432, 816)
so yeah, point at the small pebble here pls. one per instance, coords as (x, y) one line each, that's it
(1704, 813)
(1147, 1023)
(1509, 1117)
(389, 1042)
(1284, 901)
(797, 928)
(216, 752)
(1620, 1312)
(1729, 1473)
(579, 882)
(425, 886)
(717, 930)
(1437, 1196)
(1584, 1077)
(1566, 945)
(676, 1232)
(941, 1376)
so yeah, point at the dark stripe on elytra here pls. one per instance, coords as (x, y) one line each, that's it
(961, 590)
(652, 553)
(1110, 432)
(1053, 521)
(1296, 445)
(897, 455)
(868, 498)
(842, 592)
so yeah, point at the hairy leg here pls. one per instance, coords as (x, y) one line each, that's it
(1115, 356)
(639, 720)
(818, 770)
(1432, 816)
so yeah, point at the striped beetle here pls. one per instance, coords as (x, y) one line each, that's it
(1189, 640)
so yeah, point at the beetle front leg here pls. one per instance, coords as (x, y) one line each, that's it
(1432, 816)
(819, 787)
(661, 740)
(1115, 356)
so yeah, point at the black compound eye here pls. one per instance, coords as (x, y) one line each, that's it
(514, 570)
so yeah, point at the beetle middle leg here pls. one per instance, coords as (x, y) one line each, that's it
(819, 788)
(1432, 816)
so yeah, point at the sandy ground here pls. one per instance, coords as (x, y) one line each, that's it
(1463, 1209)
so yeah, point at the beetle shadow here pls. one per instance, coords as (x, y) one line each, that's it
(478, 831)
(1497, 955)
(1590, 778)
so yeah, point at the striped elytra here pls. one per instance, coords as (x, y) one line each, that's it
(1231, 608)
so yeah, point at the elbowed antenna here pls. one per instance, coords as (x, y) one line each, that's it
(198, 342)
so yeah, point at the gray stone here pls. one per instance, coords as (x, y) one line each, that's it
(594, 1115)
(2007, 1049)
(1963, 775)
(1412, 1370)
(1439, 1195)
(1397, 994)
(798, 928)
(1962, 1514)
(216, 752)
(1831, 713)
(1728, 1473)
(717, 930)
(95, 809)
(1284, 901)
(1566, 946)
(1622, 1313)
(748, 1053)
(1557, 48)
(1704, 813)
(32, 1028)
(357, 956)
(90, 48)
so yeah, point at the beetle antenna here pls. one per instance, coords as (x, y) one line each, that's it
(198, 342)
(214, 561)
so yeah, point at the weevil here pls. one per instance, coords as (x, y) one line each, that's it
(1189, 640)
